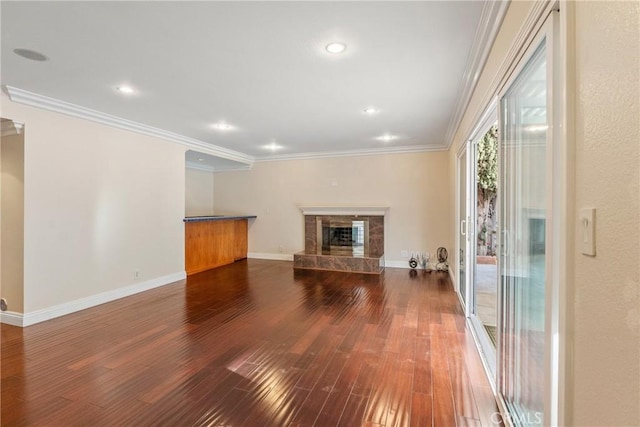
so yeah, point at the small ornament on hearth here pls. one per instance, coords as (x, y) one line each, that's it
(423, 259)
(413, 261)
(442, 255)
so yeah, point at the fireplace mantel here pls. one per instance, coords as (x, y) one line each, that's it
(345, 210)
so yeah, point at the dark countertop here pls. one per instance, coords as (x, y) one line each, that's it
(217, 217)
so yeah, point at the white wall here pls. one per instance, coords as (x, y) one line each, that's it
(12, 224)
(100, 203)
(414, 186)
(607, 286)
(198, 192)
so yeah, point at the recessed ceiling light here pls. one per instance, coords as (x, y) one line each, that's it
(272, 146)
(336, 47)
(201, 160)
(370, 110)
(386, 138)
(222, 126)
(30, 54)
(127, 90)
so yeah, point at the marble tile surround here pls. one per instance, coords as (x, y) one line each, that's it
(376, 232)
(370, 263)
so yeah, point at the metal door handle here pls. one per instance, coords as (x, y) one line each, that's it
(463, 227)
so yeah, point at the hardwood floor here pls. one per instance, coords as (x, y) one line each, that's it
(254, 344)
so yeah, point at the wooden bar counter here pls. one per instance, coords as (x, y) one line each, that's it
(212, 241)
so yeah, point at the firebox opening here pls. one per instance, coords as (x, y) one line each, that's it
(343, 237)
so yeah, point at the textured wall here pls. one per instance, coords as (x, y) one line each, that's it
(414, 186)
(607, 302)
(198, 192)
(100, 203)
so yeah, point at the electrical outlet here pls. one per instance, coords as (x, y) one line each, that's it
(404, 254)
(280, 249)
(136, 274)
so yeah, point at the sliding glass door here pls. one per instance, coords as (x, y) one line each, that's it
(483, 283)
(505, 237)
(523, 234)
(463, 221)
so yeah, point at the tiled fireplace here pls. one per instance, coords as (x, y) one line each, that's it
(343, 239)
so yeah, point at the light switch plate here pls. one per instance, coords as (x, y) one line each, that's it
(587, 233)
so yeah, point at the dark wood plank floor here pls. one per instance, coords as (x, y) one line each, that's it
(254, 344)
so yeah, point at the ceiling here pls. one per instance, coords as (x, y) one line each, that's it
(260, 67)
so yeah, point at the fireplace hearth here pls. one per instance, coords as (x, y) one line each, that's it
(336, 242)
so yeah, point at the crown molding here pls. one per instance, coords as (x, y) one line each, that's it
(10, 127)
(493, 13)
(232, 168)
(209, 168)
(351, 153)
(198, 166)
(528, 29)
(51, 104)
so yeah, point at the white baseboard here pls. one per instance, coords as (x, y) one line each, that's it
(452, 276)
(265, 255)
(289, 257)
(405, 264)
(399, 263)
(48, 313)
(11, 318)
(396, 263)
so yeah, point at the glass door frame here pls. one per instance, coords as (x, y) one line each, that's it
(545, 17)
(489, 352)
(522, 166)
(462, 226)
(556, 158)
